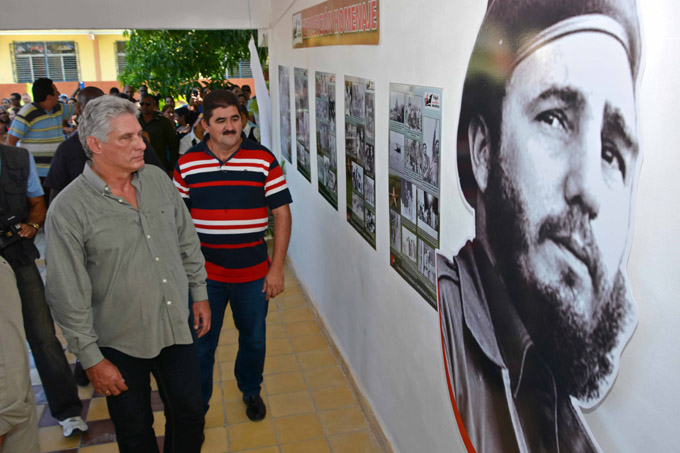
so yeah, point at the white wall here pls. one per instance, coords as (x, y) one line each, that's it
(387, 332)
(145, 14)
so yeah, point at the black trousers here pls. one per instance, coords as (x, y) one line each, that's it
(177, 373)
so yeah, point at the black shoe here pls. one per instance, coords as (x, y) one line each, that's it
(80, 375)
(255, 408)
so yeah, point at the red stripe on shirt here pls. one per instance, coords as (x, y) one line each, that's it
(246, 274)
(226, 183)
(229, 214)
(231, 246)
(278, 184)
(233, 227)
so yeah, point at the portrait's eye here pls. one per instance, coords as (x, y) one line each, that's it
(612, 158)
(554, 118)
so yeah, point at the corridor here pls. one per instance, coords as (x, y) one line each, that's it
(311, 404)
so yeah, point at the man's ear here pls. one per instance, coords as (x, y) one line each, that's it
(479, 140)
(94, 144)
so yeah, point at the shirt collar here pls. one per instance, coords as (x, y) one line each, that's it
(490, 314)
(98, 183)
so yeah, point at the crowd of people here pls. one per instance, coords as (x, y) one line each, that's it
(184, 117)
(139, 266)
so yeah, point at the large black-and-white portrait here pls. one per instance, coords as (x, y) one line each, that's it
(536, 309)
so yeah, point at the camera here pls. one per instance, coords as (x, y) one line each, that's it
(9, 229)
(194, 92)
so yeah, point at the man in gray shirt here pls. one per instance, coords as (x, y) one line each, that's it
(122, 256)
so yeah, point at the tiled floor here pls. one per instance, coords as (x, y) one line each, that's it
(310, 404)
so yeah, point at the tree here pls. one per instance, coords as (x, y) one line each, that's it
(171, 62)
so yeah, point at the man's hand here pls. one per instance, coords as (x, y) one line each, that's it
(27, 231)
(273, 282)
(106, 379)
(201, 311)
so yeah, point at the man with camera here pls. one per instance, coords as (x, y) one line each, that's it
(22, 211)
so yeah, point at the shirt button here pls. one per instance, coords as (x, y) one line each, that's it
(165, 281)
(158, 259)
(120, 200)
(169, 302)
(148, 236)
(106, 188)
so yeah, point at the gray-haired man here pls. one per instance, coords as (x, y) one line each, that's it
(122, 255)
(536, 310)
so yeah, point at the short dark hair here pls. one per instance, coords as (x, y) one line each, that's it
(148, 95)
(15, 96)
(217, 99)
(246, 87)
(114, 91)
(86, 95)
(42, 88)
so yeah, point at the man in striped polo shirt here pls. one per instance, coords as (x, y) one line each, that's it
(38, 125)
(228, 182)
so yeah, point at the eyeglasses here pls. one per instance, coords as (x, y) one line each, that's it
(145, 103)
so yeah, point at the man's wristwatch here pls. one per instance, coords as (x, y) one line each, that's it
(34, 225)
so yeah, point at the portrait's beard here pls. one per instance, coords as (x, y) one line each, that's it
(578, 348)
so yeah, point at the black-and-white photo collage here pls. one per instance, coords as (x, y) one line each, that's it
(302, 123)
(284, 112)
(360, 155)
(414, 138)
(326, 149)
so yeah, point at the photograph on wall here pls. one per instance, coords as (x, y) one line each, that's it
(302, 124)
(284, 112)
(536, 308)
(415, 133)
(360, 155)
(326, 150)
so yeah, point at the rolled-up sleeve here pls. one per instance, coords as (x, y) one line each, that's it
(68, 288)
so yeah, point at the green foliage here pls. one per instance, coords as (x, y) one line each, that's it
(171, 62)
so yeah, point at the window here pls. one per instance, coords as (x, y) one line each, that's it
(120, 56)
(241, 71)
(57, 60)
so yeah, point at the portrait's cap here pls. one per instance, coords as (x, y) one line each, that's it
(514, 29)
